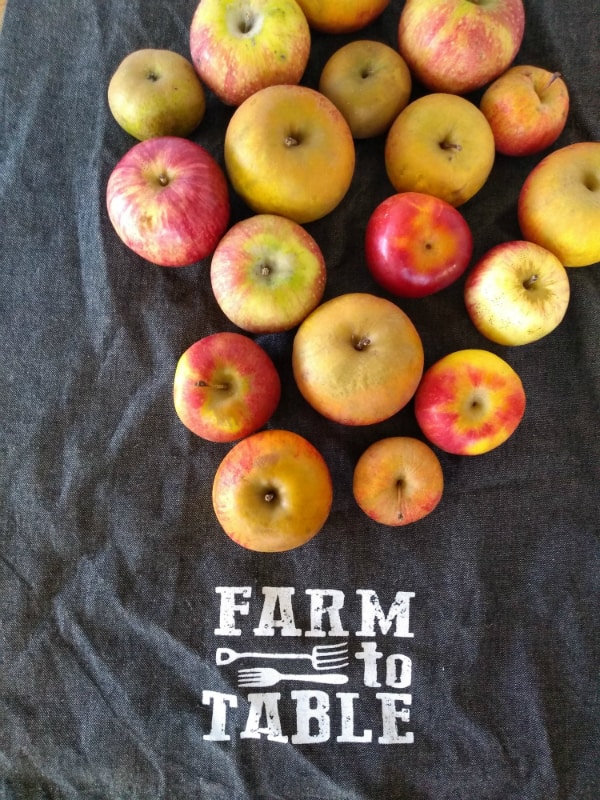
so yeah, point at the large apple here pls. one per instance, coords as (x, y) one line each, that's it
(517, 293)
(369, 82)
(458, 46)
(357, 359)
(417, 244)
(398, 480)
(240, 46)
(168, 200)
(342, 16)
(289, 151)
(469, 402)
(559, 204)
(225, 387)
(440, 144)
(527, 108)
(156, 93)
(272, 492)
(267, 273)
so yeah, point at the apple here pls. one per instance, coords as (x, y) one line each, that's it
(168, 201)
(267, 273)
(289, 151)
(469, 402)
(342, 16)
(272, 492)
(398, 480)
(527, 109)
(559, 204)
(369, 82)
(357, 359)
(440, 144)
(156, 93)
(458, 46)
(225, 387)
(240, 46)
(417, 244)
(517, 293)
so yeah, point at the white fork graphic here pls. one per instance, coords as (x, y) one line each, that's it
(322, 657)
(266, 676)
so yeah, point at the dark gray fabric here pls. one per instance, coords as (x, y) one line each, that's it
(112, 564)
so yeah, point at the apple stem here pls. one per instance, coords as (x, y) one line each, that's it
(399, 488)
(530, 281)
(451, 146)
(553, 77)
(206, 385)
(163, 180)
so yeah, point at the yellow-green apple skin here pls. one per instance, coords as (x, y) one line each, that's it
(469, 402)
(398, 480)
(168, 201)
(458, 46)
(369, 82)
(156, 93)
(559, 204)
(267, 273)
(342, 16)
(225, 387)
(289, 151)
(272, 492)
(241, 46)
(517, 293)
(440, 144)
(527, 108)
(357, 358)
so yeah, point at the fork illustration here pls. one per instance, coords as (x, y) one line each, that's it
(322, 657)
(267, 676)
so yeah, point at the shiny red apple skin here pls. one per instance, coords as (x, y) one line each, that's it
(225, 387)
(417, 244)
(168, 201)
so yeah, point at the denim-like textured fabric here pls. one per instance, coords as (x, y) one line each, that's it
(113, 569)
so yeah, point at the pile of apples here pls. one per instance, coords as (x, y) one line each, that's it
(289, 154)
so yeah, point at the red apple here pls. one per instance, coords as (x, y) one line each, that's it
(225, 387)
(272, 492)
(417, 244)
(458, 46)
(168, 200)
(398, 480)
(241, 47)
(469, 402)
(267, 273)
(527, 108)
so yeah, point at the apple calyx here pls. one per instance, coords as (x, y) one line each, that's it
(291, 141)
(152, 76)
(360, 343)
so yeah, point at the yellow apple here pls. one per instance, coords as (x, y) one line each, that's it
(369, 82)
(341, 16)
(272, 492)
(559, 204)
(440, 144)
(289, 151)
(357, 358)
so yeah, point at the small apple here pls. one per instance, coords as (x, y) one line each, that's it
(240, 46)
(517, 293)
(398, 480)
(168, 201)
(342, 16)
(527, 108)
(156, 93)
(225, 387)
(272, 492)
(559, 204)
(417, 244)
(440, 144)
(458, 46)
(369, 82)
(267, 273)
(289, 151)
(357, 359)
(469, 402)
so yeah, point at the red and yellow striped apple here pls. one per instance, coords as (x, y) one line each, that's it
(417, 244)
(225, 387)
(272, 492)
(469, 402)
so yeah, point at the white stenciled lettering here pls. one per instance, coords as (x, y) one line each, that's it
(398, 671)
(390, 713)
(220, 702)
(311, 707)
(319, 609)
(264, 704)
(370, 655)
(229, 607)
(347, 719)
(277, 597)
(373, 613)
